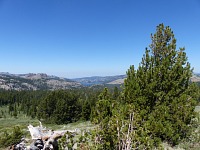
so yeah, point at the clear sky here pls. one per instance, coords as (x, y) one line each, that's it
(76, 38)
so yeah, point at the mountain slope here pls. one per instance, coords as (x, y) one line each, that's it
(43, 81)
(32, 81)
(95, 80)
(195, 78)
(114, 80)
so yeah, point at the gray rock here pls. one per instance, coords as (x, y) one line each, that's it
(75, 146)
(33, 147)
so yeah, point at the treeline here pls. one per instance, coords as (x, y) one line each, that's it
(60, 106)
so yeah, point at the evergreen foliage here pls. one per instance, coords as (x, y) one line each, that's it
(157, 103)
(160, 89)
(101, 115)
(11, 137)
(118, 126)
(60, 107)
(102, 109)
(86, 110)
(116, 93)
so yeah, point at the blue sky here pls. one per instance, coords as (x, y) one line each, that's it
(76, 38)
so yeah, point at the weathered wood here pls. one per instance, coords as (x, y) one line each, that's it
(43, 139)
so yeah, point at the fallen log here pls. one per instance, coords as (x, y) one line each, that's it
(43, 139)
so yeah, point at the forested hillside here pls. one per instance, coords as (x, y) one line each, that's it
(60, 106)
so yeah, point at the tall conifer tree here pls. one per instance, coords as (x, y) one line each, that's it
(160, 89)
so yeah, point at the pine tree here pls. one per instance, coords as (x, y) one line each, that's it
(160, 89)
(116, 93)
(101, 115)
(102, 110)
(86, 110)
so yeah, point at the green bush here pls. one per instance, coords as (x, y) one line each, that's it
(9, 138)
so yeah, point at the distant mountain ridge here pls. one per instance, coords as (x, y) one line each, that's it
(99, 80)
(42, 81)
(115, 80)
(195, 77)
(32, 81)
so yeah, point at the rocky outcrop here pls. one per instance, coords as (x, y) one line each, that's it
(195, 78)
(118, 81)
(32, 81)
